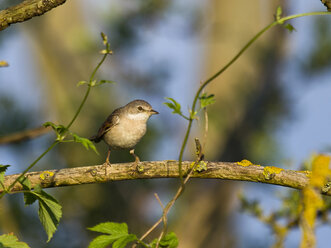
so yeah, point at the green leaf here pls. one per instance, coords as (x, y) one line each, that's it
(29, 198)
(279, 13)
(85, 142)
(122, 242)
(110, 228)
(50, 211)
(25, 182)
(206, 100)
(170, 240)
(104, 82)
(11, 241)
(81, 83)
(101, 241)
(3, 169)
(289, 27)
(173, 105)
(60, 130)
(118, 235)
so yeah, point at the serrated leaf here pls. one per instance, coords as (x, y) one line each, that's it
(25, 182)
(173, 105)
(3, 169)
(81, 83)
(110, 228)
(85, 142)
(170, 240)
(279, 13)
(289, 27)
(11, 241)
(122, 242)
(206, 100)
(118, 235)
(38, 188)
(29, 198)
(101, 241)
(50, 211)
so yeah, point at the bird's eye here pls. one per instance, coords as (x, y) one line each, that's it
(140, 108)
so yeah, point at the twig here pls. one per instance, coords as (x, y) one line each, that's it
(205, 135)
(164, 219)
(158, 199)
(327, 4)
(169, 205)
(24, 135)
(163, 169)
(26, 10)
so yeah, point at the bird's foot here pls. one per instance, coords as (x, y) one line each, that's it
(139, 167)
(136, 158)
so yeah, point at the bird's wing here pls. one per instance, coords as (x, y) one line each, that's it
(112, 120)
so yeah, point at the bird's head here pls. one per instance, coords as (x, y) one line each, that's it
(139, 110)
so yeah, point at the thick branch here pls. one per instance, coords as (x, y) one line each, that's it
(327, 3)
(26, 10)
(24, 135)
(164, 169)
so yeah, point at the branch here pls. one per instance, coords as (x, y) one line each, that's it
(327, 3)
(26, 10)
(24, 135)
(164, 169)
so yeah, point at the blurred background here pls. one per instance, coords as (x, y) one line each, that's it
(272, 107)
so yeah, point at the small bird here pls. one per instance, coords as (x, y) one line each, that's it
(124, 128)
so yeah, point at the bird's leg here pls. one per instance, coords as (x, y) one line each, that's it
(107, 159)
(136, 158)
(107, 163)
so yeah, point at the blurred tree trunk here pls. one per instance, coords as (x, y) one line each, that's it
(248, 84)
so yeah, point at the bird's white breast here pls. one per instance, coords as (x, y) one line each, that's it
(127, 133)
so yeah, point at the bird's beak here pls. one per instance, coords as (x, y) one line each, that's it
(154, 112)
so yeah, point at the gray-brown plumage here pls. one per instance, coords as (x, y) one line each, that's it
(124, 128)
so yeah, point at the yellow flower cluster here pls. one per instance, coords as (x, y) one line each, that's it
(312, 199)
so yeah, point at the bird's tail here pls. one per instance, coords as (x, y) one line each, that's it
(95, 139)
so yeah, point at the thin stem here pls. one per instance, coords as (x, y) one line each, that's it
(87, 91)
(67, 128)
(143, 243)
(209, 80)
(97, 67)
(168, 206)
(29, 167)
(80, 107)
(203, 85)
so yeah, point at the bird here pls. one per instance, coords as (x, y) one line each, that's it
(125, 127)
